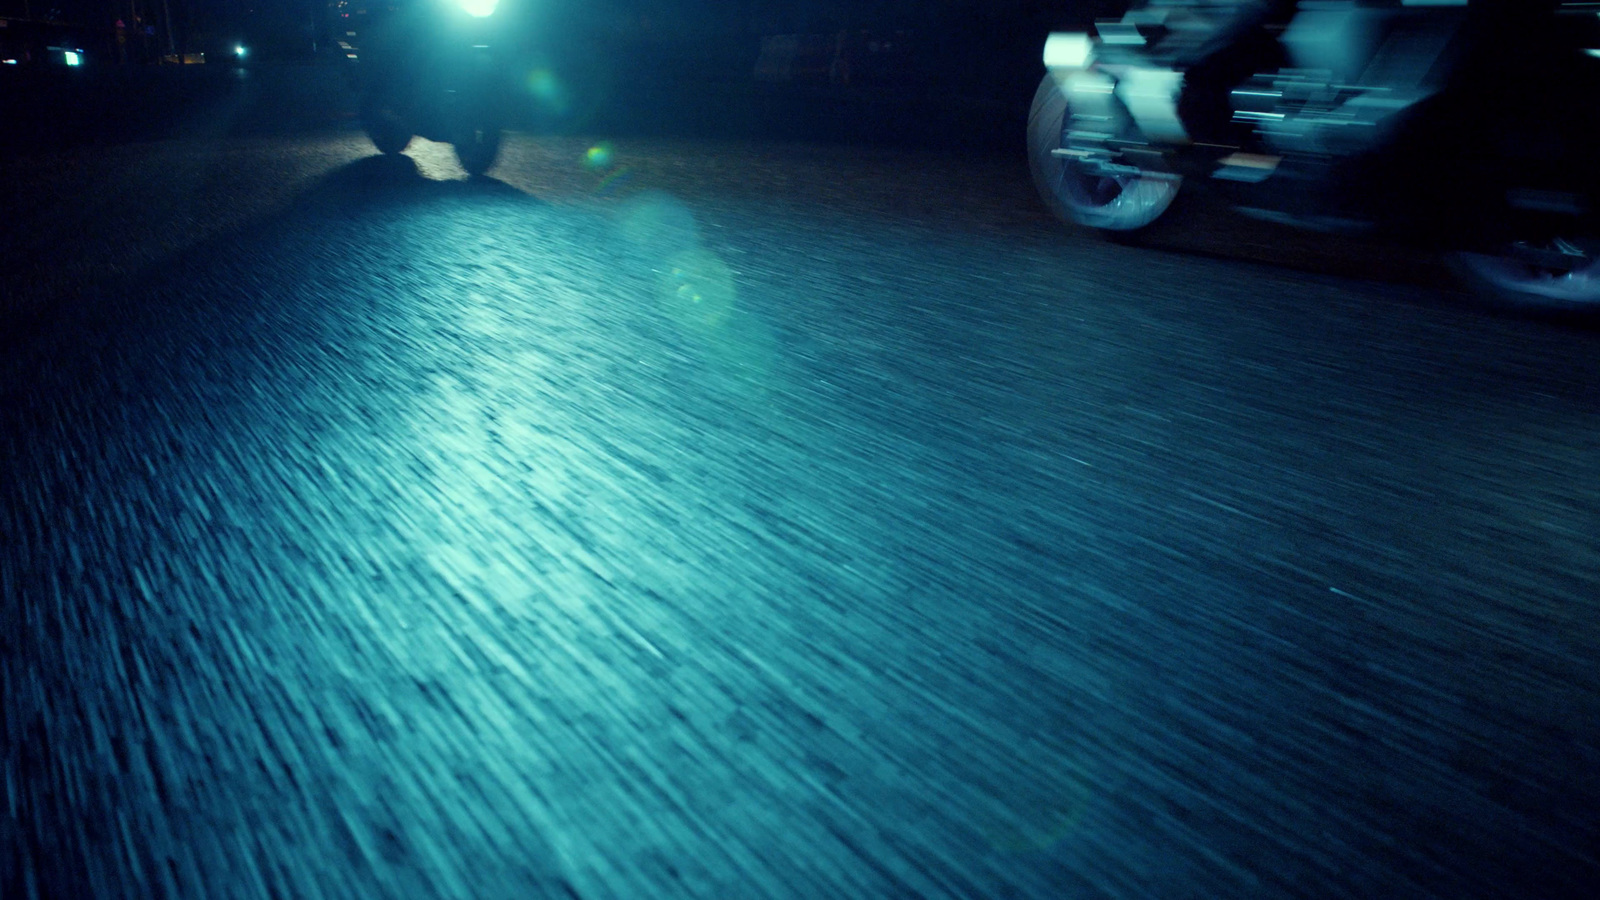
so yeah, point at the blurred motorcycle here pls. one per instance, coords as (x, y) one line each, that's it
(1460, 127)
(430, 68)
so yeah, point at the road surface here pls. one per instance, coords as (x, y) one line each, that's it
(677, 517)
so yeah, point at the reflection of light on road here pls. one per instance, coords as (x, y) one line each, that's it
(435, 161)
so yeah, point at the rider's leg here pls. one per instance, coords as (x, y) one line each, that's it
(1241, 47)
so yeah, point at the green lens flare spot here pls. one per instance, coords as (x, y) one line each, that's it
(598, 157)
(698, 289)
(547, 90)
(660, 226)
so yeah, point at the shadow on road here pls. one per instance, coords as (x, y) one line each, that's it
(48, 110)
(61, 302)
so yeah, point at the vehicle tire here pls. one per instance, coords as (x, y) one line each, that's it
(388, 130)
(477, 147)
(1516, 278)
(1120, 205)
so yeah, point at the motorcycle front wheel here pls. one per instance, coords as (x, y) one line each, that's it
(1561, 274)
(386, 128)
(1120, 204)
(477, 147)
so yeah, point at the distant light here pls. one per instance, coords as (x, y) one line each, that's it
(1593, 53)
(73, 59)
(238, 50)
(8, 62)
(479, 8)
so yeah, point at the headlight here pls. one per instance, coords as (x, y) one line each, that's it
(479, 8)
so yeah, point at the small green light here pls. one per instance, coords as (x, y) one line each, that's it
(598, 156)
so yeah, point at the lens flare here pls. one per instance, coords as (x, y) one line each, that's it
(615, 181)
(697, 289)
(548, 91)
(598, 156)
(659, 225)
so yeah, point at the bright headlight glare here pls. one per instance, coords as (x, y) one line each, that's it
(479, 8)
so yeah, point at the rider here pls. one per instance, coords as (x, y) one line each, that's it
(1239, 40)
(1238, 44)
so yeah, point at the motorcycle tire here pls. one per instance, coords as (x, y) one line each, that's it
(387, 130)
(1510, 278)
(1119, 206)
(477, 148)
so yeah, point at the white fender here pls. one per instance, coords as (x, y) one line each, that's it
(1068, 50)
(1150, 95)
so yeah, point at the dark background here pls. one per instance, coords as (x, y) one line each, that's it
(685, 16)
(946, 74)
(967, 38)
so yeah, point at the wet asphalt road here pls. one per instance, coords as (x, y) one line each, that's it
(743, 519)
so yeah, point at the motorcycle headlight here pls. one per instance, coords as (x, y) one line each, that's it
(478, 8)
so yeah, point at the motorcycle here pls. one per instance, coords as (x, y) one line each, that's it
(430, 69)
(1400, 119)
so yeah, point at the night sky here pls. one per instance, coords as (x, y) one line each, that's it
(682, 16)
(986, 47)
